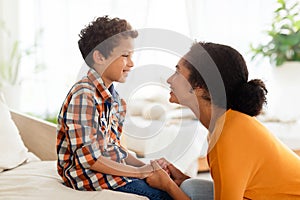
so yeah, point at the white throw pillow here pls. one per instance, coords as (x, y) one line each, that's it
(154, 111)
(12, 149)
(135, 107)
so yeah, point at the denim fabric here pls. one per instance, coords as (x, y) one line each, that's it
(198, 189)
(140, 187)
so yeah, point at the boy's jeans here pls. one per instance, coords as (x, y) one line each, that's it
(140, 187)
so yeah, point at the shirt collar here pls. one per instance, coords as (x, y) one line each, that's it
(105, 93)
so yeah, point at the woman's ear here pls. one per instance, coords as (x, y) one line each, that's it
(203, 93)
(198, 91)
(98, 57)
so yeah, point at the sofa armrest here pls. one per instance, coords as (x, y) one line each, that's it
(39, 136)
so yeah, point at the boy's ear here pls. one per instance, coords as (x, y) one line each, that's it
(98, 57)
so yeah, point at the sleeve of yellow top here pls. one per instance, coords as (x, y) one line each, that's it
(231, 165)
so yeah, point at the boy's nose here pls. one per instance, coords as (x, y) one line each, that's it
(130, 62)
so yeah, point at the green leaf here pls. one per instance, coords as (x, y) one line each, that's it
(282, 2)
(297, 25)
(284, 43)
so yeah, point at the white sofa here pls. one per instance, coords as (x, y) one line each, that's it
(28, 163)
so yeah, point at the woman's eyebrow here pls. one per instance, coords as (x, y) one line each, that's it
(127, 51)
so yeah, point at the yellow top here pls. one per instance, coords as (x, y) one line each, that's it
(248, 162)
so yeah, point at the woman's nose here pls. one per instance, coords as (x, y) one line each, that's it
(169, 80)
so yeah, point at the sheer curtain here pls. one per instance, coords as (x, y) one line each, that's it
(233, 22)
(57, 24)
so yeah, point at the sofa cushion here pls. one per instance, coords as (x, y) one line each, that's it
(12, 149)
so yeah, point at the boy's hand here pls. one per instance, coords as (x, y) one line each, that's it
(163, 163)
(145, 171)
(159, 178)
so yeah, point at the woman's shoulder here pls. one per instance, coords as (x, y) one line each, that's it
(241, 121)
(242, 127)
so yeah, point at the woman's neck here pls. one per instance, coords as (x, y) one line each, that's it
(207, 113)
(217, 112)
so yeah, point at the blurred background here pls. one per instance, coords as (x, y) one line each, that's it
(44, 35)
(40, 61)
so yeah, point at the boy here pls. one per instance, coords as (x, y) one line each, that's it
(90, 156)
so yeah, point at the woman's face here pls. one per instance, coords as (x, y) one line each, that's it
(181, 89)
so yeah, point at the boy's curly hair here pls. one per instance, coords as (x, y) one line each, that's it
(95, 36)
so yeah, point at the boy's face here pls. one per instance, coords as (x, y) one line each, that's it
(119, 63)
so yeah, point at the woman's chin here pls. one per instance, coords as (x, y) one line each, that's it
(173, 100)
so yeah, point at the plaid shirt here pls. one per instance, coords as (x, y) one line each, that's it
(90, 125)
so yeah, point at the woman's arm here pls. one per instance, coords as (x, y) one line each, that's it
(107, 166)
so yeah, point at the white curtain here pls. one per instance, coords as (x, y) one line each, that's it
(233, 22)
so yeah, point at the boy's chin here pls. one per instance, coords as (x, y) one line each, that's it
(122, 80)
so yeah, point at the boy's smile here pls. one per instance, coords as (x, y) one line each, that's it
(118, 65)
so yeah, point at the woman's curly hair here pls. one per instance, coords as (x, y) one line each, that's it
(240, 94)
(103, 34)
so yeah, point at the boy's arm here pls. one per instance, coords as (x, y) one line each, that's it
(80, 120)
(133, 161)
(107, 166)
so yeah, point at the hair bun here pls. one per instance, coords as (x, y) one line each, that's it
(249, 97)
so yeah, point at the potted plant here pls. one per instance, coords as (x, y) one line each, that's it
(283, 51)
(284, 34)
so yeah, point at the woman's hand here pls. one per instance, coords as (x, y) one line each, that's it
(163, 163)
(159, 178)
(177, 176)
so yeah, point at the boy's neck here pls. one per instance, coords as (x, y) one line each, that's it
(107, 83)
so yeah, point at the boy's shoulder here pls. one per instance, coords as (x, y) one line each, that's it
(83, 86)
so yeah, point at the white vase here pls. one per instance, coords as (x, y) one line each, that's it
(284, 95)
(12, 95)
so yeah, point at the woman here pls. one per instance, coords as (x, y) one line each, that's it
(246, 161)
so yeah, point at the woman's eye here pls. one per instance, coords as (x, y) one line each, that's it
(125, 55)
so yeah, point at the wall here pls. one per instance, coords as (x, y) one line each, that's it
(9, 15)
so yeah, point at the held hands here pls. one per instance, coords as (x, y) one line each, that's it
(163, 163)
(177, 176)
(145, 171)
(159, 178)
